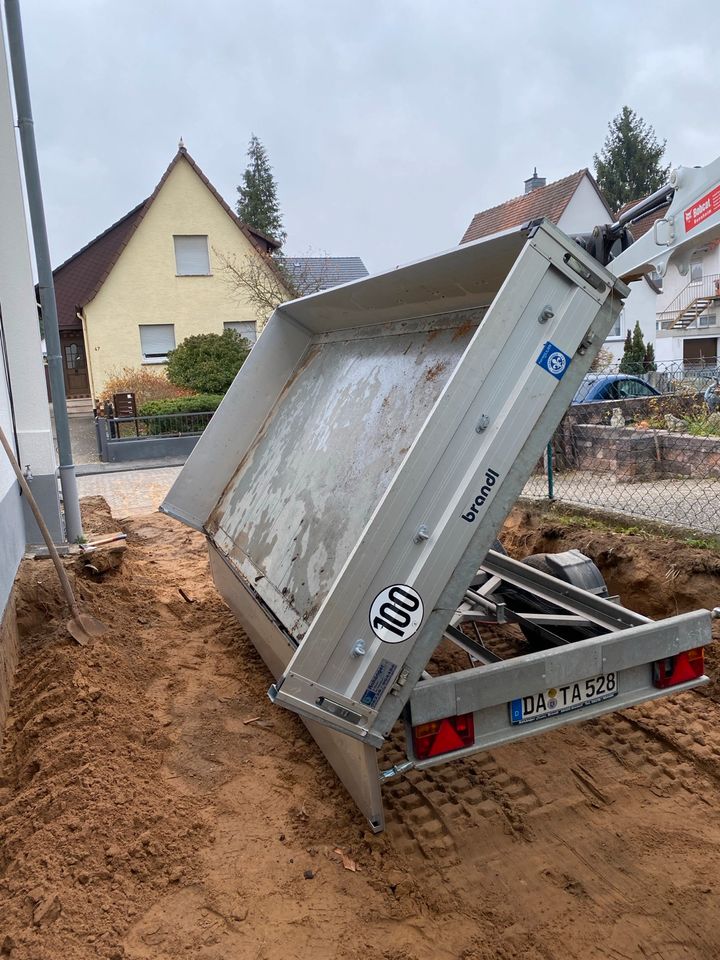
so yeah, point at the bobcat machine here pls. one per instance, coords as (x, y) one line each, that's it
(353, 481)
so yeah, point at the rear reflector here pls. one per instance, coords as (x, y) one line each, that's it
(671, 671)
(443, 736)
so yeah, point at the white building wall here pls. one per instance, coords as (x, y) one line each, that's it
(640, 307)
(20, 350)
(585, 211)
(669, 346)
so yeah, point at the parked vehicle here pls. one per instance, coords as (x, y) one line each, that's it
(613, 386)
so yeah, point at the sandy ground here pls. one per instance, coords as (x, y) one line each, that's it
(154, 804)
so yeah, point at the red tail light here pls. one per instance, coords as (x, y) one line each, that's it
(685, 666)
(443, 736)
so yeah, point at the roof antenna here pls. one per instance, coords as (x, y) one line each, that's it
(181, 144)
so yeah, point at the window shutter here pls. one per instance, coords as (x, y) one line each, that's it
(157, 339)
(191, 256)
(246, 328)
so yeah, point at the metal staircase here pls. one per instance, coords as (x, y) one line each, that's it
(692, 301)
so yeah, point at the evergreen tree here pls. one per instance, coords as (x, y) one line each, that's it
(638, 357)
(258, 204)
(627, 356)
(649, 361)
(628, 167)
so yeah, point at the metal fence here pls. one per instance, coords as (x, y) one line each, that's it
(143, 438)
(655, 456)
(161, 425)
(666, 377)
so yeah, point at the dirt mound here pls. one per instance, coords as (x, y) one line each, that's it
(96, 517)
(154, 803)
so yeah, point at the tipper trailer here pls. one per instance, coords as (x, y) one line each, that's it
(354, 479)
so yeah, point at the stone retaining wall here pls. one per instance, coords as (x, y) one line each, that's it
(633, 455)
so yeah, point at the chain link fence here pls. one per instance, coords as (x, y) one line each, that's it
(644, 444)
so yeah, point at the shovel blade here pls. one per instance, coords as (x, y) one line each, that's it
(84, 628)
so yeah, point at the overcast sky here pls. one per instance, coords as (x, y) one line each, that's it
(388, 124)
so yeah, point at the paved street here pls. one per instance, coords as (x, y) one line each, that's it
(131, 492)
(82, 437)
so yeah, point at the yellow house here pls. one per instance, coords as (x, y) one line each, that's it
(154, 278)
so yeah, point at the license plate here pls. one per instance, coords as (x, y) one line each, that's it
(556, 700)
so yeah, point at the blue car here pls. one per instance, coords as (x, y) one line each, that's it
(612, 386)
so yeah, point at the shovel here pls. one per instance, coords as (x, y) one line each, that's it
(81, 626)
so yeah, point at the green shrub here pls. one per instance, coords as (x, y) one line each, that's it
(199, 403)
(207, 362)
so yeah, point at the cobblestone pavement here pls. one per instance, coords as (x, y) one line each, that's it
(132, 492)
(684, 502)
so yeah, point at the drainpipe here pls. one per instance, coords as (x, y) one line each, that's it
(68, 481)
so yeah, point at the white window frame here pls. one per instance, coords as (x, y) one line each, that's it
(155, 355)
(235, 324)
(696, 265)
(619, 323)
(192, 263)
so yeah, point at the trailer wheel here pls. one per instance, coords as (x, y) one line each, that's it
(571, 566)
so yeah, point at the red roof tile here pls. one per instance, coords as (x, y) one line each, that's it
(549, 201)
(79, 278)
(641, 226)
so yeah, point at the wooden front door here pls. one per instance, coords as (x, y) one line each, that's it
(72, 347)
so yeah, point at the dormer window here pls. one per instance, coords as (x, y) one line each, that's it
(191, 255)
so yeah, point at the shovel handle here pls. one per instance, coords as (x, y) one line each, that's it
(62, 575)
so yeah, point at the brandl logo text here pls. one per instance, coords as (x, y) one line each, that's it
(490, 477)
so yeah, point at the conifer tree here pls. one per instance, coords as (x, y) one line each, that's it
(629, 165)
(638, 357)
(257, 204)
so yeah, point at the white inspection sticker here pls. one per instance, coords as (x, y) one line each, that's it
(396, 613)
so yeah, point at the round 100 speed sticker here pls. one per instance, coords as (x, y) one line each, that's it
(396, 613)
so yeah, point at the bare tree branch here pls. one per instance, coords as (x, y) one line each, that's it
(265, 283)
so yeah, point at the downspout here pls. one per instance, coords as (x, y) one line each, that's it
(82, 317)
(68, 481)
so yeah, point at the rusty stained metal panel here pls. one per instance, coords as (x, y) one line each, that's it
(300, 498)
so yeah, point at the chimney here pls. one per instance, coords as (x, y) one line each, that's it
(533, 182)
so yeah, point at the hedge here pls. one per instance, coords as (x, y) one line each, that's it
(199, 403)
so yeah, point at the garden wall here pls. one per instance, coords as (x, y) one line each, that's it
(634, 455)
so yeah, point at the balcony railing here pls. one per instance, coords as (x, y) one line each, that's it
(692, 301)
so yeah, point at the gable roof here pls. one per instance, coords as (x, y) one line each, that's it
(549, 201)
(79, 278)
(312, 274)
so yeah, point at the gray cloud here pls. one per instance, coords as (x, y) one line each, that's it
(388, 123)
